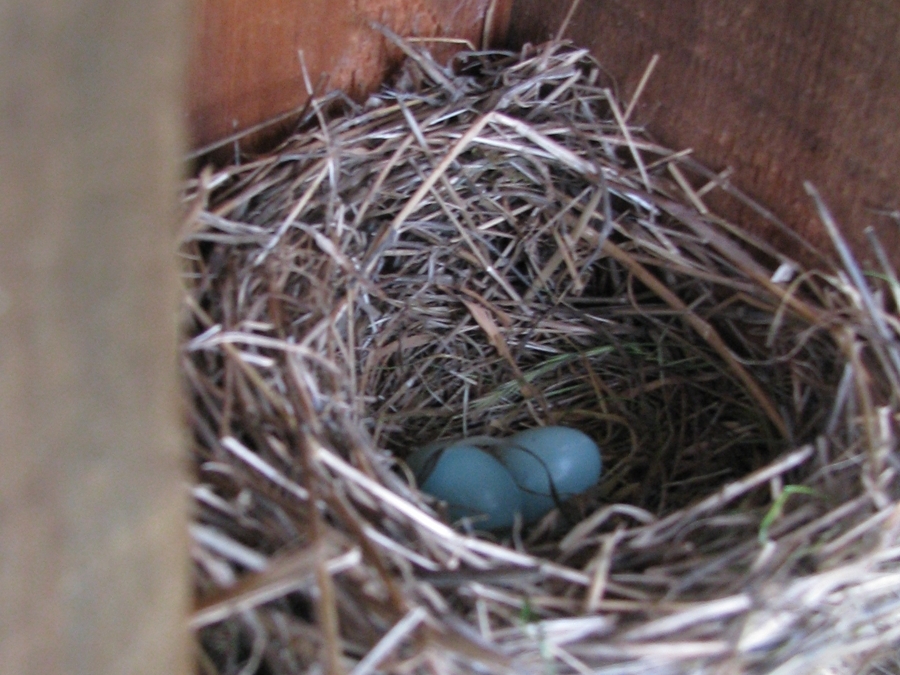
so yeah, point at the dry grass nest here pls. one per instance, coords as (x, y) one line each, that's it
(490, 246)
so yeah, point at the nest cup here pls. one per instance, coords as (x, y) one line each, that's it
(491, 246)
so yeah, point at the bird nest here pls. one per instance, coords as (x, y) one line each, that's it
(487, 247)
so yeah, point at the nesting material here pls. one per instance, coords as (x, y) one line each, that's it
(493, 246)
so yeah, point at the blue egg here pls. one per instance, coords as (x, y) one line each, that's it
(472, 482)
(547, 460)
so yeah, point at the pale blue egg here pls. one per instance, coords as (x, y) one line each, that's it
(550, 462)
(472, 482)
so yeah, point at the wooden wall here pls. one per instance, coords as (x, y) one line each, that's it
(781, 92)
(93, 556)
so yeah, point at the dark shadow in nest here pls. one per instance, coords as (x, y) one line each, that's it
(673, 421)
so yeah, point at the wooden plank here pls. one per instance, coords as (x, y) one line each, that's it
(93, 555)
(781, 92)
(245, 69)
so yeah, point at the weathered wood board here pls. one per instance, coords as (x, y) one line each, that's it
(93, 556)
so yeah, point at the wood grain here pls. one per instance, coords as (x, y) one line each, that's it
(780, 92)
(93, 556)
